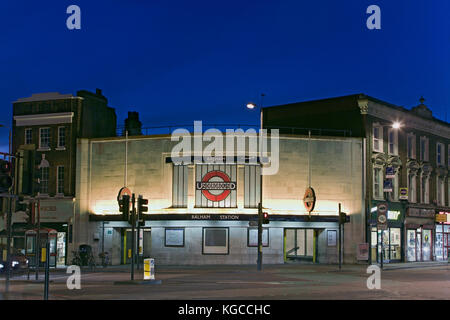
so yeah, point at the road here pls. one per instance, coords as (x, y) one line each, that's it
(243, 282)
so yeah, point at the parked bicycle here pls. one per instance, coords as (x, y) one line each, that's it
(104, 258)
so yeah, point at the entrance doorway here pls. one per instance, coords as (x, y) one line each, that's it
(144, 243)
(419, 245)
(61, 249)
(300, 244)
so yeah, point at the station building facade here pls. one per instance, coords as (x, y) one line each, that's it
(190, 221)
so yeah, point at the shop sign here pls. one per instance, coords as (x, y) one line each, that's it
(420, 213)
(387, 186)
(382, 210)
(363, 252)
(390, 173)
(442, 218)
(403, 194)
(393, 215)
(216, 185)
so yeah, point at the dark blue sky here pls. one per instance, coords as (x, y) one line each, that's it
(179, 61)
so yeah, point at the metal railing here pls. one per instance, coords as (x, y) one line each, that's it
(168, 129)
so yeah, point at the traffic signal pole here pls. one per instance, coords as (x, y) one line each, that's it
(133, 215)
(260, 218)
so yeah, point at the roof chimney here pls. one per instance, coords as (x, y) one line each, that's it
(132, 124)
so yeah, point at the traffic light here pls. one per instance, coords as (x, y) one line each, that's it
(5, 176)
(265, 218)
(342, 217)
(20, 205)
(142, 205)
(124, 206)
(29, 219)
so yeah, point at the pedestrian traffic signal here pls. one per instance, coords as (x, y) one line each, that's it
(142, 205)
(124, 206)
(265, 218)
(29, 219)
(5, 176)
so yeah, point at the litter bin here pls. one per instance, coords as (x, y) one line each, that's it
(85, 252)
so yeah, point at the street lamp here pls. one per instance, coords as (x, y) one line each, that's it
(252, 106)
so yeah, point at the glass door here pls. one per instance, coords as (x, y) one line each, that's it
(419, 245)
(299, 244)
(411, 245)
(426, 245)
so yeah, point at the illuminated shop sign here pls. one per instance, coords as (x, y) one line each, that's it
(216, 185)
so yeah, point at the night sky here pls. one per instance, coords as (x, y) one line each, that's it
(180, 61)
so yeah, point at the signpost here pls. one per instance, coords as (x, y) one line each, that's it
(382, 209)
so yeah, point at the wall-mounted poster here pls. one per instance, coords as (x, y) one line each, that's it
(253, 237)
(215, 241)
(332, 238)
(174, 237)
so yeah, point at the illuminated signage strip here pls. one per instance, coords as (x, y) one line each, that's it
(222, 217)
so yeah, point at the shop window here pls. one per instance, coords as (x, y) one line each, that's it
(215, 241)
(215, 186)
(391, 244)
(252, 237)
(174, 237)
(179, 186)
(442, 244)
(252, 181)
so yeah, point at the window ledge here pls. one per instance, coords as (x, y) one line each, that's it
(61, 148)
(43, 149)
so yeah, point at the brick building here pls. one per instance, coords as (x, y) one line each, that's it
(51, 123)
(407, 156)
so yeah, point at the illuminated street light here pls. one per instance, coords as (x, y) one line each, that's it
(396, 125)
(251, 105)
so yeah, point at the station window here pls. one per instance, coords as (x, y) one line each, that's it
(215, 241)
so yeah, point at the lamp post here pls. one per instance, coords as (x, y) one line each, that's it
(253, 106)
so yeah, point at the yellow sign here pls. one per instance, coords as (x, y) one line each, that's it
(43, 254)
(5, 255)
(129, 253)
(441, 218)
(149, 269)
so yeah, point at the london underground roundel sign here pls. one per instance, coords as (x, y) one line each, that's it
(216, 185)
(309, 199)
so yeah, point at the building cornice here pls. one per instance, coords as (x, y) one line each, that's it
(43, 119)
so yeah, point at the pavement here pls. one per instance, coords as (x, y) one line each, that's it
(243, 282)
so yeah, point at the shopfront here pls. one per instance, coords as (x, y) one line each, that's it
(388, 241)
(419, 235)
(442, 231)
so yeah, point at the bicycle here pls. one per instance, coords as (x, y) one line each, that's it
(76, 259)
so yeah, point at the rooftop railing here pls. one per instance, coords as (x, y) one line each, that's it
(168, 129)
